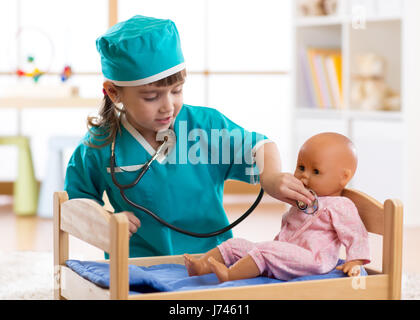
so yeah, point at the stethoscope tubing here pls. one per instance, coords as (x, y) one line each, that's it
(196, 234)
(159, 219)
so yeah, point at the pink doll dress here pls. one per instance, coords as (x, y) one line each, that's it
(297, 251)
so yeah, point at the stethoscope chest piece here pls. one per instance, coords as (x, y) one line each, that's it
(309, 209)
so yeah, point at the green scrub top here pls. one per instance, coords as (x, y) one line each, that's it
(185, 187)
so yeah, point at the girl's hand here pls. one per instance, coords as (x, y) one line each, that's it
(351, 268)
(133, 222)
(287, 188)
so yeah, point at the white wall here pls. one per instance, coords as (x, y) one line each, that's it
(411, 96)
(216, 35)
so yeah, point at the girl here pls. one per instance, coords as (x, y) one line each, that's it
(144, 72)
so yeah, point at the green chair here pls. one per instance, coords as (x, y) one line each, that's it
(25, 188)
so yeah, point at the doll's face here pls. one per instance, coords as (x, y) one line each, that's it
(325, 164)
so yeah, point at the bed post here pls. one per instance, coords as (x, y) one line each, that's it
(392, 246)
(61, 242)
(118, 256)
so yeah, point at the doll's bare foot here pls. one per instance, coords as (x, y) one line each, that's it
(221, 271)
(194, 266)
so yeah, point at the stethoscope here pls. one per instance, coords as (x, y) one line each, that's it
(169, 137)
(309, 209)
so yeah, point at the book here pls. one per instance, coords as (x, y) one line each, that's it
(338, 68)
(322, 80)
(306, 75)
(334, 81)
(315, 82)
(323, 77)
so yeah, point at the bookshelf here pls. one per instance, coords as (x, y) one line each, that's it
(387, 141)
(19, 103)
(24, 102)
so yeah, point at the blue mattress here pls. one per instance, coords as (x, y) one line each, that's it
(174, 277)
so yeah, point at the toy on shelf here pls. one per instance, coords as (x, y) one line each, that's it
(369, 89)
(317, 7)
(35, 74)
(66, 73)
(34, 53)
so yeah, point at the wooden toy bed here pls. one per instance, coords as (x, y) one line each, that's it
(91, 223)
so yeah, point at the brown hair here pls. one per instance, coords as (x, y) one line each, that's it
(104, 126)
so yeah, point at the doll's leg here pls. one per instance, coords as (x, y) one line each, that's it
(226, 253)
(244, 268)
(197, 267)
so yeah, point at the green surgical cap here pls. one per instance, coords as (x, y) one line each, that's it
(140, 50)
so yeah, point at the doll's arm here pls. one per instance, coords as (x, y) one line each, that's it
(351, 268)
(351, 231)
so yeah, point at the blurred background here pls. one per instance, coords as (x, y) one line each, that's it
(234, 62)
(287, 69)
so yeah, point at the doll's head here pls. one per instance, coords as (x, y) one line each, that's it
(326, 163)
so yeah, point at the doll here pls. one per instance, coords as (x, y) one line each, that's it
(306, 244)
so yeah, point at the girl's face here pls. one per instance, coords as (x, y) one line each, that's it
(151, 108)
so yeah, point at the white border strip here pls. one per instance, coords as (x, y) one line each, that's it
(254, 150)
(258, 145)
(140, 139)
(150, 79)
(137, 135)
(126, 168)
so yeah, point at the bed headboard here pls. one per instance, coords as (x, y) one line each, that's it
(386, 220)
(370, 210)
(374, 214)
